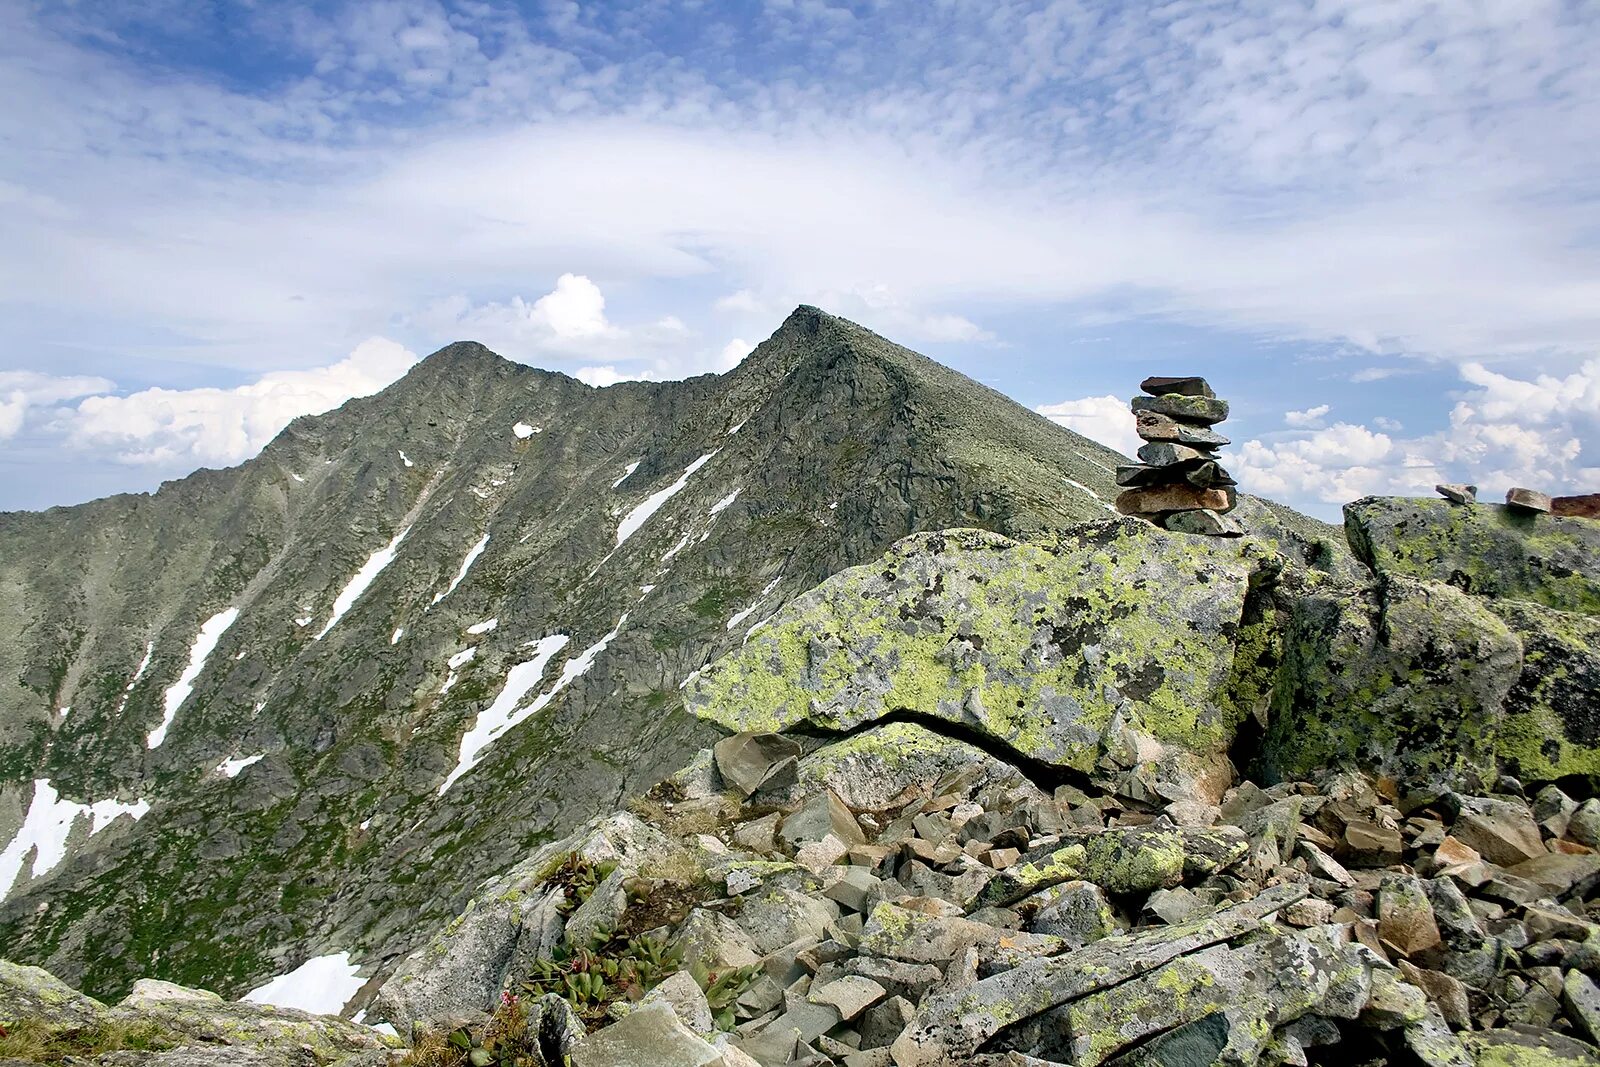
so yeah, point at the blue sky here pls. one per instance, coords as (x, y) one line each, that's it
(1372, 223)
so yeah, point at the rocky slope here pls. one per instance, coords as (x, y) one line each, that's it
(304, 705)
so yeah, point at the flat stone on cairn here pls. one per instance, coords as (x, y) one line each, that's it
(1178, 483)
(1528, 499)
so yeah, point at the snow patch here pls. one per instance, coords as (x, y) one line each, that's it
(394, 638)
(723, 504)
(323, 984)
(626, 474)
(66, 711)
(641, 514)
(406, 459)
(363, 578)
(682, 544)
(486, 626)
(1094, 495)
(739, 617)
(305, 620)
(211, 632)
(524, 431)
(144, 664)
(504, 713)
(466, 565)
(230, 768)
(296, 477)
(457, 661)
(48, 825)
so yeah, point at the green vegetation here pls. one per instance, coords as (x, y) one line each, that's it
(35, 1041)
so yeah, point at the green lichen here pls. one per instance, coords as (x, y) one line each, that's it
(1039, 645)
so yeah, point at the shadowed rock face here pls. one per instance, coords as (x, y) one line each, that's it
(825, 446)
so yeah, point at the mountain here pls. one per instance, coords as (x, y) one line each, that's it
(304, 705)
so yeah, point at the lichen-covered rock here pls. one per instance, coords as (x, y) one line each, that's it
(1043, 648)
(1552, 722)
(1484, 549)
(1526, 1046)
(952, 1026)
(871, 769)
(1408, 679)
(1253, 988)
(35, 993)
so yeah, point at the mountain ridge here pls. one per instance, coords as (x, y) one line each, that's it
(821, 448)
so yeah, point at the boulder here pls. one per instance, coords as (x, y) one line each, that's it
(1481, 549)
(1407, 679)
(1198, 409)
(648, 1036)
(1155, 499)
(1044, 649)
(1153, 426)
(745, 761)
(1551, 728)
(1528, 1047)
(1247, 990)
(1501, 831)
(1520, 499)
(951, 1026)
(35, 993)
(870, 770)
(1186, 385)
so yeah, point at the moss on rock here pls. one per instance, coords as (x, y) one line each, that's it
(1042, 647)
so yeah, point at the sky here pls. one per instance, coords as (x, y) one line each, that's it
(1373, 225)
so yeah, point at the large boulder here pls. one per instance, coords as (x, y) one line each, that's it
(1408, 679)
(1056, 652)
(1484, 549)
(1552, 721)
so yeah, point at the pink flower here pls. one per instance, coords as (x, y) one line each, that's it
(507, 998)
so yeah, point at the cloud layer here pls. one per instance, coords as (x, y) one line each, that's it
(203, 427)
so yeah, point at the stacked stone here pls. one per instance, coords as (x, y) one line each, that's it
(1178, 483)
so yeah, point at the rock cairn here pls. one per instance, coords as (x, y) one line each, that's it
(1178, 483)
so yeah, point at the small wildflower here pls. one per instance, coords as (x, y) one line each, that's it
(507, 998)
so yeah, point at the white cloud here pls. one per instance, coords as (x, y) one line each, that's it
(13, 407)
(211, 426)
(1309, 419)
(599, 377)
(22, 390)
(1100, 418)
(570, 319)
(733, 353)
(1375, 374)
(1504, 431)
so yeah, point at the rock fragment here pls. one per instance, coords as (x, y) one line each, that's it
(1529, 500)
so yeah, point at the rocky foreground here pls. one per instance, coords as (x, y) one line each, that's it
(900, 898)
